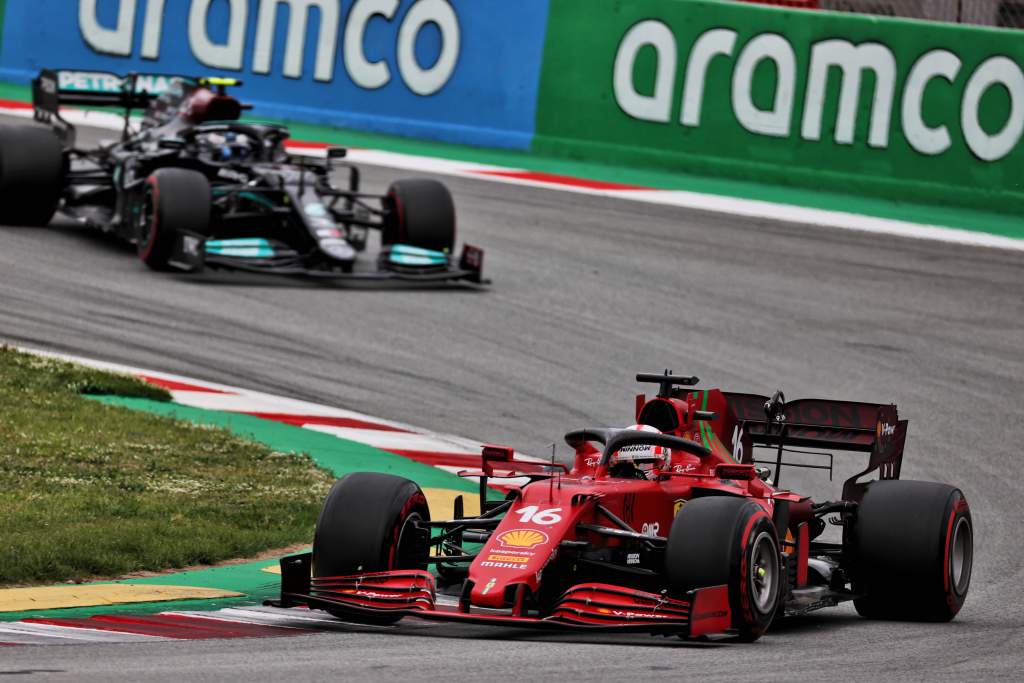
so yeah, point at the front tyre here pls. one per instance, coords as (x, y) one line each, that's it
(911, 551)
(421, 213)
(722, 540)
(175, 200)
(368, 524)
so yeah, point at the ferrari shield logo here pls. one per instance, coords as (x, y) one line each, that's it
(677, 506)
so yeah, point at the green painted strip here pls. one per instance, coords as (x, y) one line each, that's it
(340, 456)
(702, 424)
(707, 434)
(243, 578)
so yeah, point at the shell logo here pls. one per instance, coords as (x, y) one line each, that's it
(523, 538)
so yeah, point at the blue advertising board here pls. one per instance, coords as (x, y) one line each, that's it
(463, 71)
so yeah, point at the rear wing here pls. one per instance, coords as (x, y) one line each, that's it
(53, 89)
(819, 423)
(56, 88)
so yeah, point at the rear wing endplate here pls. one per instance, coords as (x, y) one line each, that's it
(820, 423)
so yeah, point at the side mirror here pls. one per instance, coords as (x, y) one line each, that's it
(336, 152)
(737, 472)
(495, 454)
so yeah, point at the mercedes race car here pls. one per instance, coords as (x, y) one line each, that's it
(675, 526)
(193, 187)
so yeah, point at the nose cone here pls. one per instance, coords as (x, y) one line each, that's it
(338, 249)
(511, 557)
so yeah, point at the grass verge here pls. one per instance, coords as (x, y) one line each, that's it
(92, 490)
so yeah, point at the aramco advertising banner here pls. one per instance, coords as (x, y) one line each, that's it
(457, 70)
(903, 109)
(884, 107)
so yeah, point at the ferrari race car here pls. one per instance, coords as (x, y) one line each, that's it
(193, 187)
(671, 527)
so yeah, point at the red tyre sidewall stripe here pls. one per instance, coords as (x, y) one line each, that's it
(400, 211)
(455, 225)
(151, 181)
(744, 587)
(959, 506)
(414, 500)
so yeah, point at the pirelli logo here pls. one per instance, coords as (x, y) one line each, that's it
(516, 559)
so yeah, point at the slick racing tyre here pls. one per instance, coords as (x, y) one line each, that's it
(911, 548)
(421, 213)
(31, 174)
(722, 540)
(174, 200)
(366, 525)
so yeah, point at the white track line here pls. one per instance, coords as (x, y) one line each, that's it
(41, 634)
(396, 441)
(747, 208)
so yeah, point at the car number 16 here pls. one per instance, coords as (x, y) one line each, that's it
(532, 513)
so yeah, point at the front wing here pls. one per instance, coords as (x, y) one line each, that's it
(588, 606)
(190, 255)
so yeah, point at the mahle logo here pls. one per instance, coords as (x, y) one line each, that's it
(852, 62)
(229, 54)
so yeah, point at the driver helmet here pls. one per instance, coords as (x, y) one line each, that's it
(234, 147)
(646, 457)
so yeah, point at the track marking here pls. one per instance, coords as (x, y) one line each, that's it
(560, 180)
(96, 594)
(444, 500)
(23, 633)
(174, 385)
(389, 441)
(327, 420)
(174, 626)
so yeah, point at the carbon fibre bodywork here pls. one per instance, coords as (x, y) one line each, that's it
(271, 211)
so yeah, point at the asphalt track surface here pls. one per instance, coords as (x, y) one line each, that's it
(587, 291)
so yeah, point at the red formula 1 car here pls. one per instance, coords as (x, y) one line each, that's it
(672, 526)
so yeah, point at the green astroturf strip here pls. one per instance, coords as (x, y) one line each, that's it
(340, 456)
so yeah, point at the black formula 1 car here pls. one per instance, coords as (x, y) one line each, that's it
(676, 525)
(194, 187)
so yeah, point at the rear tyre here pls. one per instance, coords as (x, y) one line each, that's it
(421, 213)
(365, 526)
(31, 175)
(728, 541)
(174, 200)
(911, 550)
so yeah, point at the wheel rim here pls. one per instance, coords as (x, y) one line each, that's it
(961, 555)
(764, 572)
